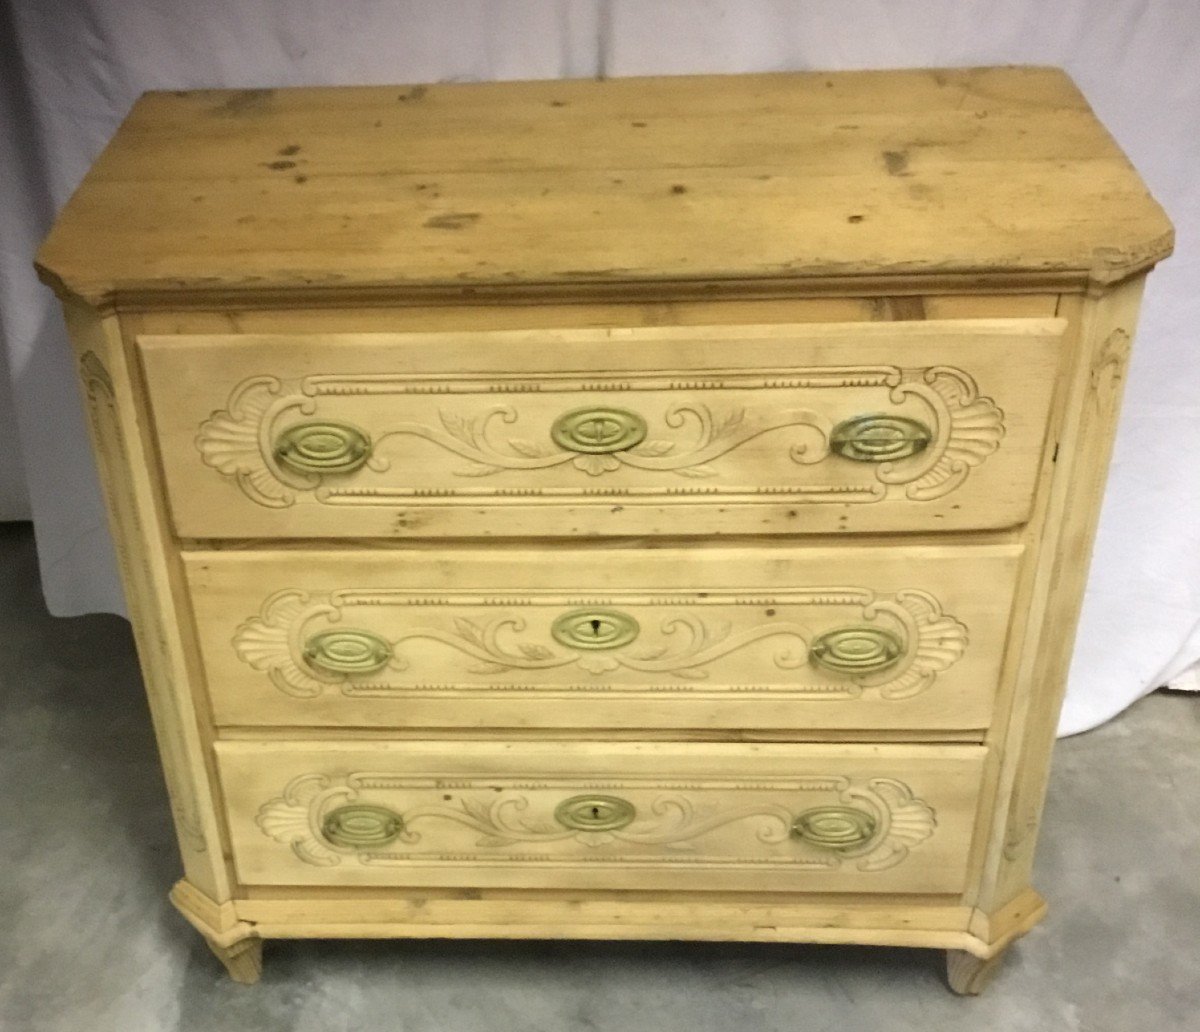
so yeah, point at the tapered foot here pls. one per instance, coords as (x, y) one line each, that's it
(967, 974)
(242, 959)
(235, 942)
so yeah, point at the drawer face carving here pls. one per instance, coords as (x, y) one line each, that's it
(875, 426)
(851, 638)
(621, 815)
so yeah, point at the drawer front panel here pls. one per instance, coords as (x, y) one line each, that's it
(780, 429)
(768, 637)
(602, 815)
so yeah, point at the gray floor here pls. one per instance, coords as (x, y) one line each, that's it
(88, 941)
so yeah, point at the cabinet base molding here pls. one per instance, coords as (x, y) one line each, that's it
(235, 930)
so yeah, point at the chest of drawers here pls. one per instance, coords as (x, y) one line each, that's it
(637, 509)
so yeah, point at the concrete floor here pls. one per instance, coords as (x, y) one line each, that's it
(88, 941)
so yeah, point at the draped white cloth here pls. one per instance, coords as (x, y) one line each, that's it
(72, 68)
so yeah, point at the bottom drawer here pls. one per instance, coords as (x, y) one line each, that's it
(602, 815)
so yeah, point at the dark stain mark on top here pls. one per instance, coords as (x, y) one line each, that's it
(558, 103)
(896, 162)
(638, 125)
(453, 220)
(289, 150)
(279, 166)
(416, 93)
(678, 188)
(855, 218)
(244, 102)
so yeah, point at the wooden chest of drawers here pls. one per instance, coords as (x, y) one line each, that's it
(636, 509)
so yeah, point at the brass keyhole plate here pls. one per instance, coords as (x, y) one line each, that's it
(595, 629)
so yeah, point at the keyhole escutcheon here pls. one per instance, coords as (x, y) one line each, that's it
(595, 629)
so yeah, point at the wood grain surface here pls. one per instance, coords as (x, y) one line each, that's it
(516, 185)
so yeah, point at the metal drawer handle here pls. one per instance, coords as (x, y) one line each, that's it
(856, 650)
(320, 447)
(595, 629)
(361, 826)
(834, 827)
(879, 438)
(595, 813)
(598, 430)
(347, 652)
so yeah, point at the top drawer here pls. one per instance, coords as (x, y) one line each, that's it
(681, 430)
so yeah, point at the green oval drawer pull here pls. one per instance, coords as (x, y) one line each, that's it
(598, 430)
(322, 448)
(347, 652)
(595, 629)
(595, 813)
(834, 827)
(856, 650)
(361, 826)
(879, 438)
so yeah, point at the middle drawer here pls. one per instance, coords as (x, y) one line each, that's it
(900, 638)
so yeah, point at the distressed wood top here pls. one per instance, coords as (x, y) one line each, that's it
(777, 181)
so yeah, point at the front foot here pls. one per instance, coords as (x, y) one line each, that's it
(242, 959)
(236, 943)
(969, 975)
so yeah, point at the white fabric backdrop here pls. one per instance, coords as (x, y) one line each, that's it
(72, 68)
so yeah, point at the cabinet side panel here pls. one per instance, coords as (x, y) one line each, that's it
(1083, 449)
(144, 554)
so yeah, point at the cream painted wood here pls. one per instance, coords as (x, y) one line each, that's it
(1096, 382)
(719, 429)
(282, 235)
(882, 920)
(635, 815)
(150, 571)
(723, 636)
(524, 314)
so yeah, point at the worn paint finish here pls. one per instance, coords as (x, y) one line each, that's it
(660, 224)
(819, 176)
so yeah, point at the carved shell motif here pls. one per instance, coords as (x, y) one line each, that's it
(241, 441)
(270, 642)
(275, 643)
(936, 642)
(233, 441)
(970, 429)
(905, 822)
(294, 817)
(890, 819)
